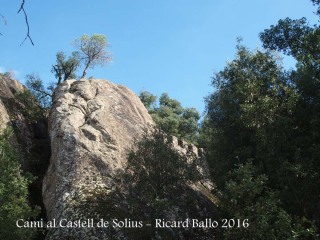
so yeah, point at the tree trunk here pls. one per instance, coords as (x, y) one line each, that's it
(85, 70)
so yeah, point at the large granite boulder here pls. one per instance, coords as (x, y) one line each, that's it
(92, 124)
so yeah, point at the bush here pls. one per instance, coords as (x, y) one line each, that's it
(13, 193)
(160, 179)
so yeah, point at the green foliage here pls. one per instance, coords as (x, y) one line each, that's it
(13, 193)
(64, 69)
(315, 3)
(155, 184)
(171, 117)
(261, 113)
(159, 178)
(246, 196)
(170, 103)
(92, 51)
(42, 95)
(306, 119)
(253, 104)
(159, 166)
(148, 100)
(287, 36)
(30, 107)
(31, 103)
(296, 38)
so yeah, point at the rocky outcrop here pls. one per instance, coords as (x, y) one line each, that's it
(204, 185)
(4, 119)
(29, 135)
(11, 116)
(92, 124)
(8, 87)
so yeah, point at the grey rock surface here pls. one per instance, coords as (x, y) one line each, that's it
(92, 124)
(8, 87)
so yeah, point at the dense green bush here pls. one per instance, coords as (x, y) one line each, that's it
(171, 117)
(159, 178)
(13, 193)
(265, 115)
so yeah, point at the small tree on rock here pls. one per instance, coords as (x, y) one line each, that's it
(42, 94)
(92, 51)
(65, 68)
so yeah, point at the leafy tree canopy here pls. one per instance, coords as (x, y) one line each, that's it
(171, 117)
(148, 100)
(159, 177)
(262, 114)
(248, 198)
(42, 94)
(64, 69)
(92, 51)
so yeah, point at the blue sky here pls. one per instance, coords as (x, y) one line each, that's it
(171, 46)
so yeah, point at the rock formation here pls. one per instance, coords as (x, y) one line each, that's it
(8, 88)
(92, 124)
(29, 136)
(12, 116)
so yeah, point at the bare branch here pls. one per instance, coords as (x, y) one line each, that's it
(27, 22)
(4, 21)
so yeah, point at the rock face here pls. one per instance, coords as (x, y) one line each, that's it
(29, 135)
(4, 116)
(8, 88)
(11, 115)
(92, 123)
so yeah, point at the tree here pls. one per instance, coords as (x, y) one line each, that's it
(248, 198)
(188, 126)
(168, 102)
(171, 117)
(43, 95)
(262, 126)
(292, 37)
(256, 114)
(159, 176)
(315, 3)
(160, 167)
(92, 51)
(156, 183)
(252, 106)
(13, 193)
(65, 68)
(300, 40)
(148, 100)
